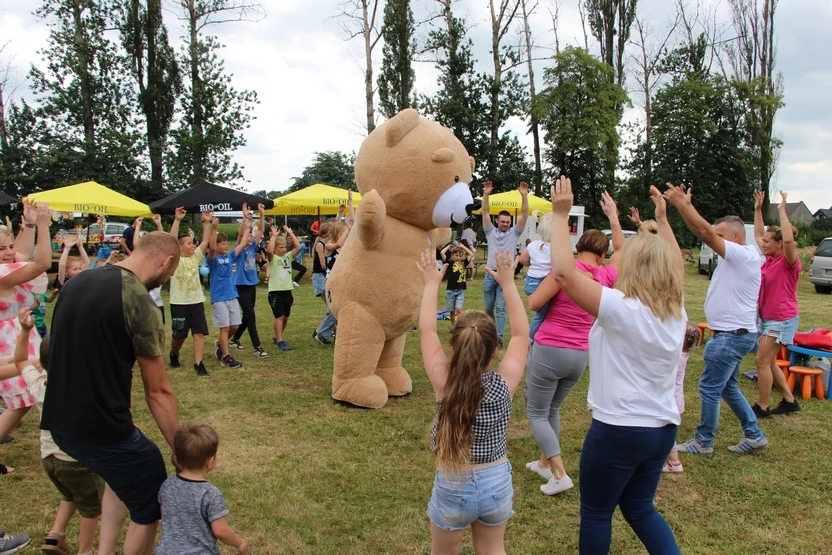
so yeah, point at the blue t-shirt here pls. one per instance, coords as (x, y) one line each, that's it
(247, 267)
(222, 277)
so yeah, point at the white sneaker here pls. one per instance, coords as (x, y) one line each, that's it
(555, 486)
(541, 471)
(673, 468)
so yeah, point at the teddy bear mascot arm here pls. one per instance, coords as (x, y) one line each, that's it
(413, 175)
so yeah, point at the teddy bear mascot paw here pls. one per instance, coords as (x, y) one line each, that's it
(369, 392)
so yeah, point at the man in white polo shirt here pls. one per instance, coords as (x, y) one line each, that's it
(501, 236)
(731, 311)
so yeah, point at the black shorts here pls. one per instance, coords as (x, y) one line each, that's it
(162, 312)
(133, 468)
(188, 317)
(281, 303)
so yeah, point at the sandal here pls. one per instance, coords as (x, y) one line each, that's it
(5, 469)
(54, 544)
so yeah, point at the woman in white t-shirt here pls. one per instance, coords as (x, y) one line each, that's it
(634, 348)
(539, 261)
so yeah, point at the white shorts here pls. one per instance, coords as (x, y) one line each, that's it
(225, 314)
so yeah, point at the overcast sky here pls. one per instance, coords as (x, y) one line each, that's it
(311, 86)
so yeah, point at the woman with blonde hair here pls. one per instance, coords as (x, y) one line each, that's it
(778, 310)
(634, 349)
(558, 356)
(472, 486)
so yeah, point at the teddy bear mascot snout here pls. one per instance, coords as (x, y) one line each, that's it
(413, 176)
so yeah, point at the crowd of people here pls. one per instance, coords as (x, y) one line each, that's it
(624, 317)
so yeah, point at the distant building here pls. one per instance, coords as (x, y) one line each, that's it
(797, 212)
(823, 213)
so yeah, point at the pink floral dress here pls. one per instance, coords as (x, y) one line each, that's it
(14, 392)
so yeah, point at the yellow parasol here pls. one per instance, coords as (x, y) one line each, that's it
(314, 200)
(90, 198)
(512, 201)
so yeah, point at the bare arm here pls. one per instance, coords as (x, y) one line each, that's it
(212, 243)
(207, 218)
(524, 258)
(261, 224)
(69, 240)
(179, 215)
(524, 206)
(21, 351)
(610, 209)
(270, 246)
(547, 289)
(513, 365)
(665, 231)
(243, 243)
(43, 257)
(25, 241)
(350, 207)
(583, 290)
(8, 370)
(226, 534)
(159, 395)
(294, 240)
(789, 245)
(85, 259)
(433, 356)
(486, 215)
(696, 223)
(759, 224)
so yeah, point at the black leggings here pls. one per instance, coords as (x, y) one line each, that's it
(301, 270)
(247, 297)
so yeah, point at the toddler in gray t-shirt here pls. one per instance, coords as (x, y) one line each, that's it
(193, 510)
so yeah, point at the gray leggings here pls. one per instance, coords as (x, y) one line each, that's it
(551, 373)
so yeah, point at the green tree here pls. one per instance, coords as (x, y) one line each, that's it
(330, 168)
(580, 110)
(395, 82)
(214, 113)
(156, 72)
(85, 108)
(610, 22)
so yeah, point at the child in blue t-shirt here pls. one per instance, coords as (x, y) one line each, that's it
(225, 310)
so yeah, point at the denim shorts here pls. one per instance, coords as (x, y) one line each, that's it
(781, 330)
(455, 298)
(319, 284)
(483, 495)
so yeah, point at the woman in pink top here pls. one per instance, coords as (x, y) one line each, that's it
(558, 355)
(778, 314)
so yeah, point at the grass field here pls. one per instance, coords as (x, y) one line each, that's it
(302, 474)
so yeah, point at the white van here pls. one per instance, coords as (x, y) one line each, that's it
(708, 259)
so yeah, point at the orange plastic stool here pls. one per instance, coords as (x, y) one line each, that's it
(702, 328)
(807, 383)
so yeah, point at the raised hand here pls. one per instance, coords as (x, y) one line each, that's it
(504, 274)
(27, 320)
(759, 198)
(634, 216)
(677, 196)
(782, 205)
(261, 208)
(427, 266)
(29, 213)
(487, 187)
(562, 197)
(245, 210)
(138, 222)
(661, 206)
(42, 214)
(180, 214)
(274, 230)
(608, 206)
(70, 241)
(207, 215)
(157, 219)
(523, 189)
(215, 223)
(288, 230)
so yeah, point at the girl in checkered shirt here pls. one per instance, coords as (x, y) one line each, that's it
(473, 477)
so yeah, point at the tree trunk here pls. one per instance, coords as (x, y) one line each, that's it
(368, 70)
(4, 134)
(198, 152)
(82, 51)
(495, 98)
(535, 125)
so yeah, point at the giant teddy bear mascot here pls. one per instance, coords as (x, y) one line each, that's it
(413, 175)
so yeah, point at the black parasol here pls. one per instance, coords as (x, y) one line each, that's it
(6, 200)
(208, 196)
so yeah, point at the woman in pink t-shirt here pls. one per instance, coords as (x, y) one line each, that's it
(778, 310)
(559, 353)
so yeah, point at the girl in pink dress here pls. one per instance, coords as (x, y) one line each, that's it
(18, 281)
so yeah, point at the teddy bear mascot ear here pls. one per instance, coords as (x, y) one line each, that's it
(405, 171)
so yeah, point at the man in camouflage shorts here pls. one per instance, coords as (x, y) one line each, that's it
(105, 322)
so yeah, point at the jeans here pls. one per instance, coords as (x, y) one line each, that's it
(530, 286)
(551, 374)
(495, 303)
(723, 355)
(621, 466)
(327, 325)
(247, 298)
